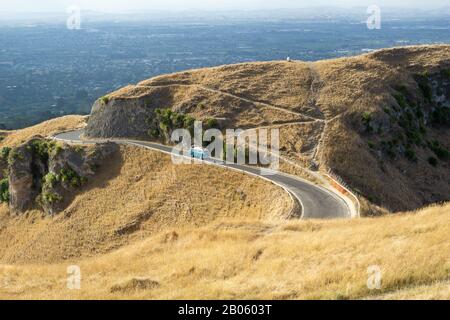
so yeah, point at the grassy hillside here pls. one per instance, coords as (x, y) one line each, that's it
(47, 128)
(197, 232)
(135, 195)
(237, 258)
(388, 111)
(187, 241)
(387, 124)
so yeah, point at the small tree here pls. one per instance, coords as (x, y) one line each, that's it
(4, 190)
(211, 123)
(104, 100)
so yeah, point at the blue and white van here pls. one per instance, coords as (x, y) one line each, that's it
(199, 153)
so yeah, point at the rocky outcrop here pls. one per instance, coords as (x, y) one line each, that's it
(46, 174)
(138, 118)
(83, 160)
(22, 172)
(119, 118)
(70, 169)
(3, 161)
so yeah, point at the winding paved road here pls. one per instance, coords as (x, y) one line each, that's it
(316, 202)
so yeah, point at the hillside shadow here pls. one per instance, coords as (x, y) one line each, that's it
(107, 171)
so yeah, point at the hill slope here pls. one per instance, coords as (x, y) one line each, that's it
(135, 194)
(387, 111)
(191, 242)
(237, 258)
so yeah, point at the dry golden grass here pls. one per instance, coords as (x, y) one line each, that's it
(47, 128)
(279, 83)
(435, 291)
(250, 259)
(201, 242)
(137, 194)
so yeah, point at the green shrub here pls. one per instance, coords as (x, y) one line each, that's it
(211, 123)
(40, 148)
(44, 148)
(414, 137)
(49, 197)
(189, 123)
(70, 177)
(439, 151)
(104, 100)
(166, 120)
(177, 120)
(367, 119)
(154, 133)
(56, 149)
(423, 81)
(4, 190)
(4, 153)
(401, 100)
(13, 156)
(410, 154)
(50, 180)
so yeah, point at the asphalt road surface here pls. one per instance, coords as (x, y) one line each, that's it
(316, 202)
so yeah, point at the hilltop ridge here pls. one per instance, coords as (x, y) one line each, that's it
(387, 110)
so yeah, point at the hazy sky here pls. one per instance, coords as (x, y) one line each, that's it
(26, 6)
